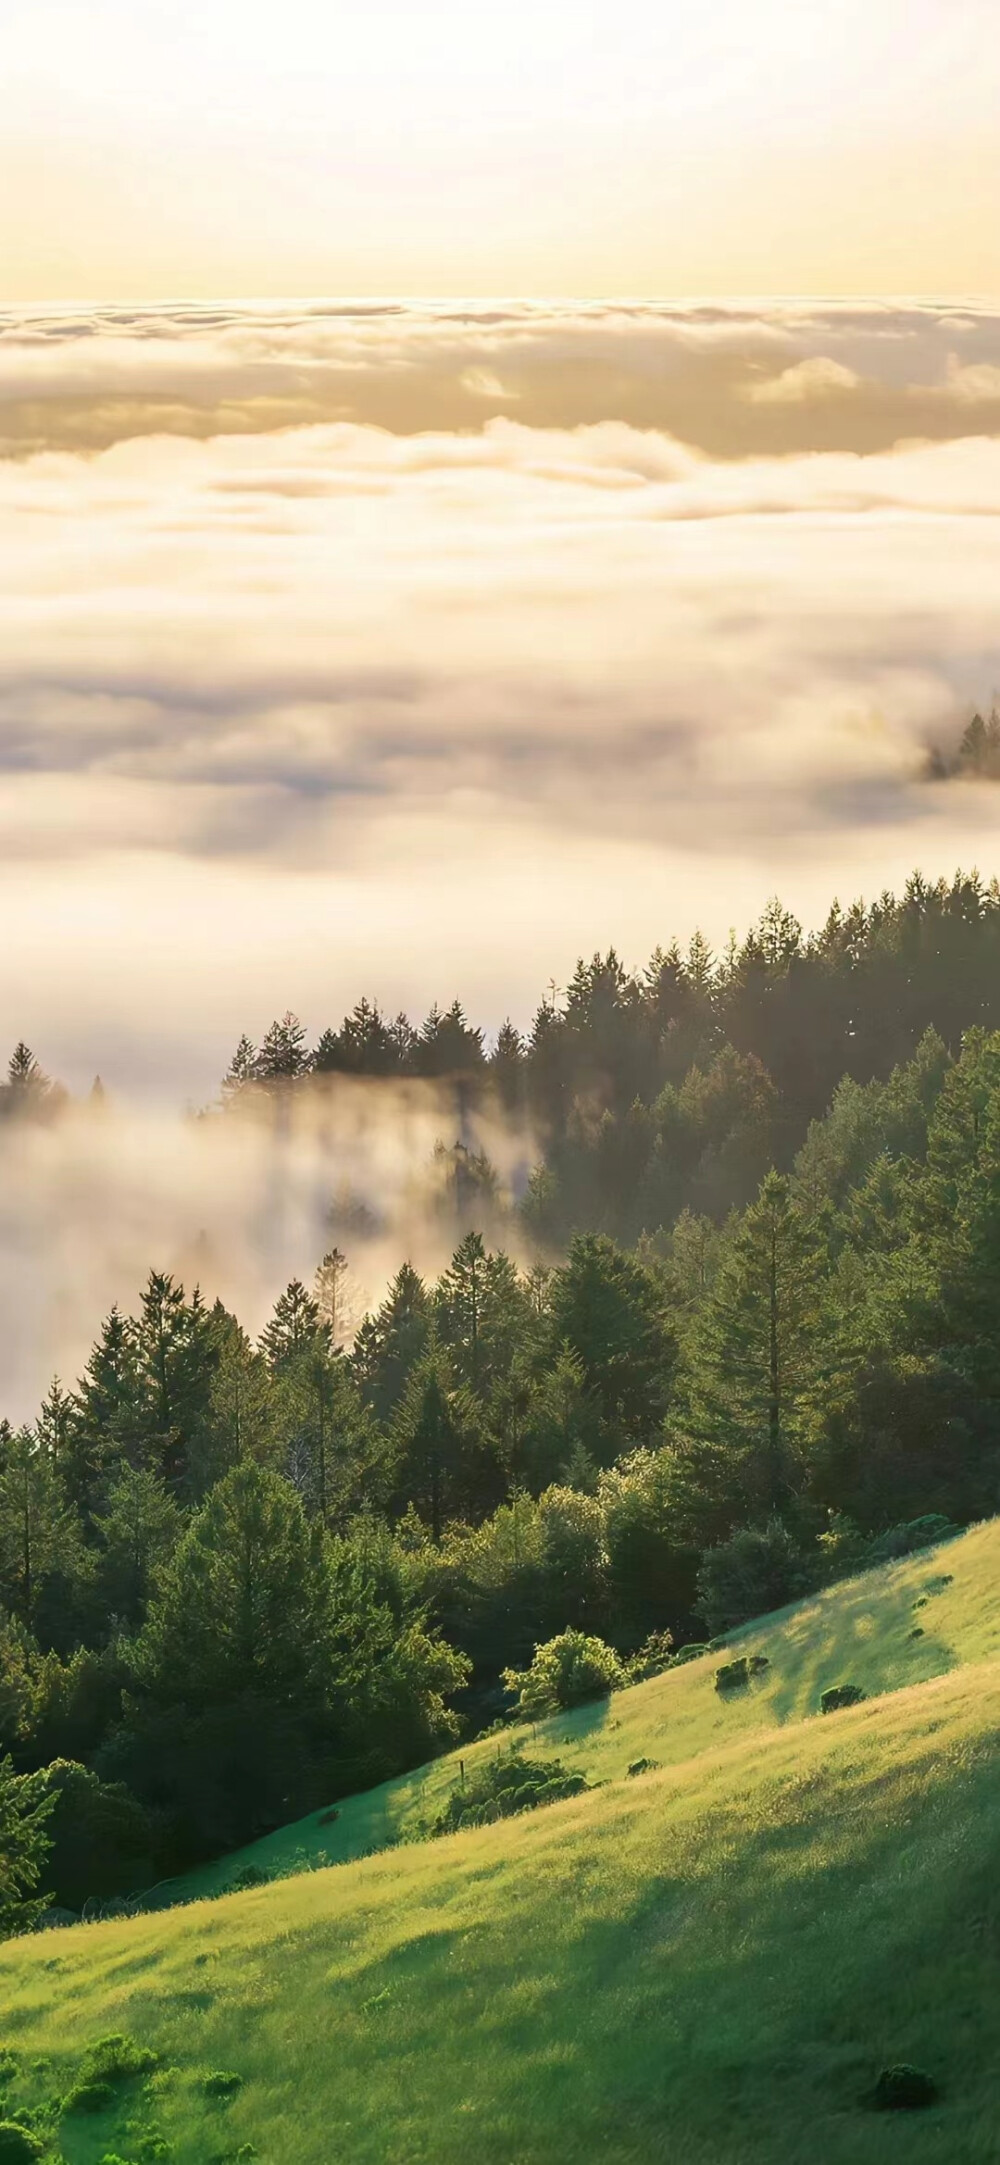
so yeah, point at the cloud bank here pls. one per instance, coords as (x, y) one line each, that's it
(416, 651)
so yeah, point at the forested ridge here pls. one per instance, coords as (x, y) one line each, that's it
(757, 1342)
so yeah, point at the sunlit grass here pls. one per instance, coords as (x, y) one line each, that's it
(707, 1964)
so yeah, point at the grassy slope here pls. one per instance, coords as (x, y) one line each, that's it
(706, 1964)
(858, 1632)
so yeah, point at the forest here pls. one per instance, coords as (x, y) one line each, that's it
(736, 1338)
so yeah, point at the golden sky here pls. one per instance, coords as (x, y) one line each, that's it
(277, 147)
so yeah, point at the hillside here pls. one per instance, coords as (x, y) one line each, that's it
(863, 1631)
(710, 1962)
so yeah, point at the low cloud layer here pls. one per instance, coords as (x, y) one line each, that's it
(730, 380)
(414, 652)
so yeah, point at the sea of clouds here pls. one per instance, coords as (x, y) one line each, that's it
(415, 650)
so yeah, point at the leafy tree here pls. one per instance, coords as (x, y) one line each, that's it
(566, 1672)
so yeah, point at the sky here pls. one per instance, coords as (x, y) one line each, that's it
(359, 642)
(641, 147)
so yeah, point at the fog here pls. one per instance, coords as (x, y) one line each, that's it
(238, 1202)
(415, 651)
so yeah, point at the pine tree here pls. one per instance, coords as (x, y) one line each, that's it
(40, 1544)
(753, 1367)
(25, 1807)
(294, 1326)
(283, 1056)
(242, 1610)
(243, 1069)
(105, 1431)
(137, 1532)
(428, 1436)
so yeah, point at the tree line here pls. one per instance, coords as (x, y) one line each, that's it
(239, 1578)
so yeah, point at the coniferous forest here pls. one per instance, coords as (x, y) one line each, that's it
(736, 1337)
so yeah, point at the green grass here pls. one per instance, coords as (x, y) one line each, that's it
(707, 1965)
(858, 1632)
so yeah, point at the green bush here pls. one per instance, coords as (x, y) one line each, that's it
(222, 2083)
(106, 2065)
(733, 1675)
(913, 1534)
(903, 2089)
(653, 1657)
(89, 2097)
(19, 2145)
(758, 1569)
(643, 1766)
(251, 1875)
(840, 1695)
(565, 1672)
(503, 1787)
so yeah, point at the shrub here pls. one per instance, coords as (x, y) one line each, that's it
(102, 1840)
(912, 1534)
(903, 2089)
(250, 1875)
(840, 1695)
(692, 1652)
(758, 1569)
(106, 2065)
(222, 2083)
(89, 2097)
(18, 2145)
(116, 2059)
(733, 1675)
(654, 1655)
(565, 1672)
(643, 1766)
(503, 1787)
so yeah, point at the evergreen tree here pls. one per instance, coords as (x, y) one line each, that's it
(294, 1327)
(391, 1342)
(25, 1808)
(42, 1561)
(753, 1367)
(137, 1532)
(107, 1425)
(607, 1308)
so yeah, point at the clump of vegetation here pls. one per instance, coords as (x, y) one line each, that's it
(757, 1569)
(89, 2097)
(222, 2082)
(841, 1695)
(19, 2145)
(565, 1672)
(250, 1875)
(736, 1675)
(692, 1652)
(904, 2089)
(643, 1766)
(654, 1656)
(911, 1535)
(503, 1787)
(106, 2067)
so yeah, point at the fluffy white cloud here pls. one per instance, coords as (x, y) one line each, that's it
(291, 712)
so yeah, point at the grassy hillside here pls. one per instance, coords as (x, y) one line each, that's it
(860, 1632)
(708, 1963)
